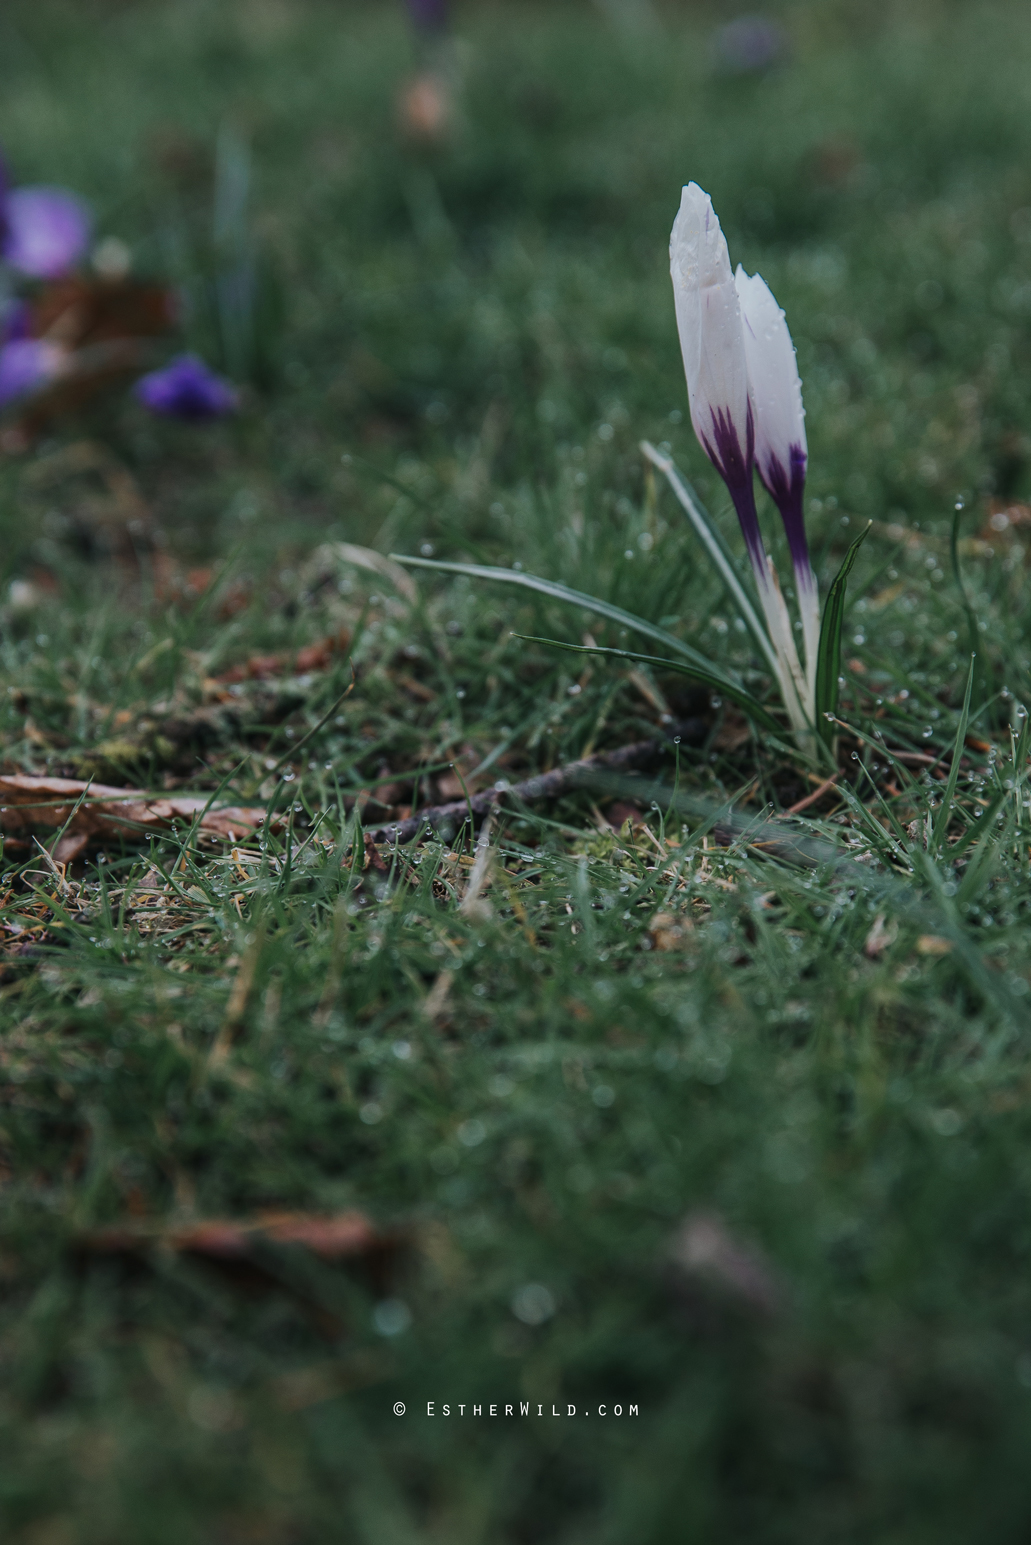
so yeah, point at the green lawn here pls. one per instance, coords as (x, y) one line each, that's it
(732, 1136)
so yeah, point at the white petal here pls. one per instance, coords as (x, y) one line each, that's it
(773, 373)
(708, 316)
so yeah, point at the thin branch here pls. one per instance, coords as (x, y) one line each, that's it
(549, 785)
(810, 799)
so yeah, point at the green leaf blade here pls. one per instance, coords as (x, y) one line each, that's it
(941, 824)
(828, 659)
(708, 676)
(558, 592)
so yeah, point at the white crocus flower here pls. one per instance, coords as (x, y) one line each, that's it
(781, 452)
(722, 402)
(711, 338)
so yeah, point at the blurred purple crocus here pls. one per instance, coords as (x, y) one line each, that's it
(187, 388)
(749, 45)
(26, 364)
(43, 231)
(14, 321)
(428, 16)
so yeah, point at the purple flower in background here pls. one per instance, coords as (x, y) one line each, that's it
(15, 323)
(428, 15)
(748, 45)
(26, 364)
(186, 388)
(45, 231)
(5, 188)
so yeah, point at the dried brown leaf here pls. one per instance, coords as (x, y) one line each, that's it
(96, 810)
(291, 662)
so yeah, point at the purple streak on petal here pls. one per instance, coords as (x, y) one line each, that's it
(732, 460)
(428, 15)
(786, 487)
(25, 363)
(186, 388)
(734, 466)
(47, 231)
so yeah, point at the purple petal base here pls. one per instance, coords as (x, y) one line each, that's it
(786, 487)
(734, 465)
(186, 388)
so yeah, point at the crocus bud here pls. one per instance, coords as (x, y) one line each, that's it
(781, 452)
(713, 346)
(712, 341)
(780, 444)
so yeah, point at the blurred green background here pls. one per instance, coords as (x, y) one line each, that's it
(492, 300)
(461, 341)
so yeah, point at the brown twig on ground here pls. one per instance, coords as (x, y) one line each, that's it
(549, 785)
(810, 799)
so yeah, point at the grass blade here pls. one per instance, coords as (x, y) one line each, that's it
(706, 674)
(941, 824)
(981, 687)
(828, 660)
(979, 827)
(559, 592)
